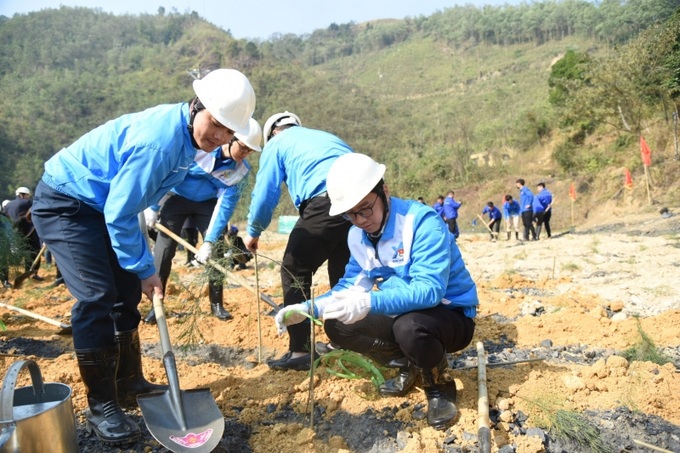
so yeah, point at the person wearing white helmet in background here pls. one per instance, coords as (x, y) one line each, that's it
(406, 298)
(86, 210)
(208, 196)
(299, 157)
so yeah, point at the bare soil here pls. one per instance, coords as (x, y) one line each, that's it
(576, 302)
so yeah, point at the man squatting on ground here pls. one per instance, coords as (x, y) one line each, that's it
(86, 210)
(300, 157)
(425, 300)
(208, 195)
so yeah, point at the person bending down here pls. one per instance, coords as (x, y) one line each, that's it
(425, 302)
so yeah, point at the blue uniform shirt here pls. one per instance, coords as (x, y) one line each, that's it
(212, 176)
(494, 213)
(301, 158)
(511, 208)
(526, 199)
(416, 264)
(121, 168)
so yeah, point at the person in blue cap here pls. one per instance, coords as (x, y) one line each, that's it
(86, 210)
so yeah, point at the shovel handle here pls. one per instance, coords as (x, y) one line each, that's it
(230, 275)
(162, 323)
(30, 314)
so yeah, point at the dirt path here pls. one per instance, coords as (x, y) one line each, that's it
(577, 301)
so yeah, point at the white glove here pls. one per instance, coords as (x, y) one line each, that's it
(150, 217)
(292, 314)
(348, 307)
(204, 252)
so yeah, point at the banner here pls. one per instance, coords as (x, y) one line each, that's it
(645, 153)
(629, 180)
(572, 192)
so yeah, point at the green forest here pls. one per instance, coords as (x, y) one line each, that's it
(469, 98)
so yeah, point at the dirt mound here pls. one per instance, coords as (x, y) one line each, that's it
(568, 309)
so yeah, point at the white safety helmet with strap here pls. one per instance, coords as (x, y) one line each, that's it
(22, 190)
(279, 119)
(254, 136)
(351, 177)
(228, 96)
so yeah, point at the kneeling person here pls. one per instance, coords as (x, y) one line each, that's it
(425, 300)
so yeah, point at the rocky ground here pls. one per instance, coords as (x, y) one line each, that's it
(569, 309)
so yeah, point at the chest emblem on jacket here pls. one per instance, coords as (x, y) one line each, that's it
(398, 255)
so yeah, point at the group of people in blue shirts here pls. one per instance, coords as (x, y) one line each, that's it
(187, 160)
(534, 210)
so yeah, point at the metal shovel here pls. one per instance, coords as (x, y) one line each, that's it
(31, 271)
(183, 421)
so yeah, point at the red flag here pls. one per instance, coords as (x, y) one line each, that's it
(572, 192)
(629, 180)
(645, 152)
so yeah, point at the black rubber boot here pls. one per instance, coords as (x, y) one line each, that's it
(130, 380)
(402, 383)
(440, 390)
(508, 236)
(516, 235)
(385, 353)
(216, 304)
(538, 231)
(150, 318)
(98, 369)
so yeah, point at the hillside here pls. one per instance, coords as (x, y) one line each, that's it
(458, 100)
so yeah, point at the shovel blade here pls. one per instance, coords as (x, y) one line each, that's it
(197, 427)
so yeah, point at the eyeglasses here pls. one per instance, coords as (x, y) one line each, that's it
(364, 213)
(244, 147)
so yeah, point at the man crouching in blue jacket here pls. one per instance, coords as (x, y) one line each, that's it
(424, 302)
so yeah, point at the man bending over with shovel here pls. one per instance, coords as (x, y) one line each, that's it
(86, 210)
(425, 300)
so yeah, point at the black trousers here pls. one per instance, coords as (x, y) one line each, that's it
(546, 221)
(174, 213)
(495, 226)
(106, 294)
(528, 222)
(424, 335)
(315, 238)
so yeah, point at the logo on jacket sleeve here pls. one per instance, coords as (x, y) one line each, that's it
(398, 255)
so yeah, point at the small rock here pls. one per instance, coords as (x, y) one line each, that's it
(536, 432)
(506, 416)
(621, 316)
(503, 404)
(546, 343)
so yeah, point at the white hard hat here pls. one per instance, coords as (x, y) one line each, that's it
(228, 96)
(351, 177)
(279, 119)
(24, 190)
(254, 136)
(4, 203)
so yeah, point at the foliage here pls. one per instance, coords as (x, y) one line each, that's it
(568, 424)
(571, 67)
(421, 94)
(645, 350)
